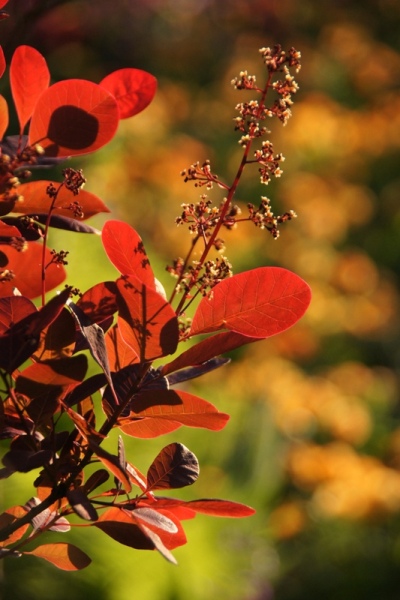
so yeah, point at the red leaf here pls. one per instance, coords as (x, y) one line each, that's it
(161, 411)
(212, 507)
(27, 269)
(113, 464)
(13, 309)
(258, 303)
(151, 326)
(207, 349)
(74, 117)
(29, 78)
(3, 116)
(3, 3)
(124, 248)
(120, 354)
(7, 518)
(122, 526)
(2, 58)
(165, 523)
(99, 302)
(64, 556)
(174, 467)
(133, 90)
(36, 201)
(62, 371)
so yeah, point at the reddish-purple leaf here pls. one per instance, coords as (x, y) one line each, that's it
(3, 116)
(99, 302)
(124, 248)
(257, 303)
(74, 117)
(174, 467)
(133, 90)
(151, 327)
(207, 349)
(95, 480)
(29, 78)
(64, 556)
(36, 201)
(157, 412)
(81, 505)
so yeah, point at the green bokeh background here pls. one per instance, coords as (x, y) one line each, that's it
(312, 408)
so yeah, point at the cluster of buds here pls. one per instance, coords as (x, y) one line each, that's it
(73, 180)
(202, 216)
(13, 169)
(201, 278)
(201, 174)
(268, 161)
(59, 258)
(264, 218)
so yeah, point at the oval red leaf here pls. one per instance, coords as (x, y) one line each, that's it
(257, 303)
(133, 89)
(2, 60)
(125, 249)
(29, 78)
(174, 467)
(64, 556)
(36, 201)
(74, 117)
(27, 270)
(3, 116)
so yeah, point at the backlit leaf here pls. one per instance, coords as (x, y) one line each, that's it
(208, 506)
(133, 90)
(120, 354)
(99, 302)
(174, 467)
(124, 248)
(29, 78)
(13, 309)
(2, 57)
(64, 556)
(163, 411)
(113, 464)
(258, 303)
(151, 326)
(208, 349)
(36, 201)
(62, 371)
(7, 518)
(74, 117)
(3, 116)
(27, 269)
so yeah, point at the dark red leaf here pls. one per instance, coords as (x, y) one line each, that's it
(258, 303)
(4, 119)
(148, 322)
(174, 467)
(133, 90)
(74, 117)
(208, 349)
(99, 302)
(95, 480)
(36, 201)
(124, 248)
(64, 556)
(22, 340)
(13, 309)
(58, 339)
(29, 78)
(81, 504)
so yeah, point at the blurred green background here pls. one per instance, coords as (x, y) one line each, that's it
(314, 437)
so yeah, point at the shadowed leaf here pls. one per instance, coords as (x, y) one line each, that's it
(74, 117)
(124, 248)
(82, 505)
(174, 467)
(64, 556)
(113, 464)
(3, 116)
